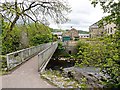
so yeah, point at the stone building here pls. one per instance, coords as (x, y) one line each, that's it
(109, 28)
(73, 34)
(96, 31)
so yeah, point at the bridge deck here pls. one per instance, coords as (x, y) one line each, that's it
(26, 76)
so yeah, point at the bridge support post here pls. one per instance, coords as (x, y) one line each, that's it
(22, 59)
(8, 66)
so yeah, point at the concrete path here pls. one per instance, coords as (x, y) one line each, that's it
(26, 76)
(0, 82)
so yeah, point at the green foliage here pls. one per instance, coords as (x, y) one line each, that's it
(10, 44)
(91, 54)
(83, 32)
(60, 46)
(4, 62)
(54, 37)
(40, 35)
(111, 63)
(36, 35)
(39, 39)
(57, 30)
(101, 53)
(12, 41)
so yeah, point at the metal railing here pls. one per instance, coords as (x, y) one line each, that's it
(45, 56)
(16, 58)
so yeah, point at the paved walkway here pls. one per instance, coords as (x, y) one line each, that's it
(26, 76)
(0, 82)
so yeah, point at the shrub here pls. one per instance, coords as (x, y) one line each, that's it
(102, 53)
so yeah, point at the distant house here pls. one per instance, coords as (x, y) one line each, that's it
(70, 35)
(58, 34)
(109, 28)
(96, 31)
(83, 35)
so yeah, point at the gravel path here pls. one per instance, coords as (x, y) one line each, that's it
(26, 76)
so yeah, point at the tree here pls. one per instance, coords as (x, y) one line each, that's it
(33, 10)
(112, 62)
(113, 8)
(27, 12)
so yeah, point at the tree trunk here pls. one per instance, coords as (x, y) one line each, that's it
(13, 23)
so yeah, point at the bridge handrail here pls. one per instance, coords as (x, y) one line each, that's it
(45, 56)
(16, 58)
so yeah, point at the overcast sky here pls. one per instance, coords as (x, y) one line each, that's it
(82, 16)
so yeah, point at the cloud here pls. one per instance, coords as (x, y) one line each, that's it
(82, 16)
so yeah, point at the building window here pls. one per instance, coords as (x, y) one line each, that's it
(108, 30)
(111, 30)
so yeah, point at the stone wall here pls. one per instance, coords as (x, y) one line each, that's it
(96, 31)
(70, 47)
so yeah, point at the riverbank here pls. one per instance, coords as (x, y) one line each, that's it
(64, 74)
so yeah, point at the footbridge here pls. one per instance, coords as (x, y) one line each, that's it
(44, 53)
(25, 64)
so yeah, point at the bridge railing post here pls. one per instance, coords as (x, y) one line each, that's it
(21, 56)
(8, 66)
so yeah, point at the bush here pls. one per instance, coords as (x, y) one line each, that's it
(3, 61)
(102, 53)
